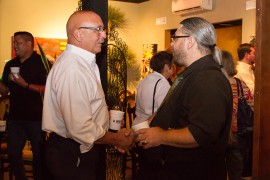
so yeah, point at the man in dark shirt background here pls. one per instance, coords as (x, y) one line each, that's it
(26, 89)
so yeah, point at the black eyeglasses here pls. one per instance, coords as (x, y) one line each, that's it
(98, 29)
(174, 37)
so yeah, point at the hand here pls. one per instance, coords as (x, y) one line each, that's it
(125, 140)
(20, 81)
(150, 137)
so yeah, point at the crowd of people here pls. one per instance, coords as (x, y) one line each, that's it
(192, 114)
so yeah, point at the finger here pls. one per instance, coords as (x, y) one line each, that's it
(141, 137)
(129, 133)
(119, 149)
(12, 77)
(146, 145)
(141, 131)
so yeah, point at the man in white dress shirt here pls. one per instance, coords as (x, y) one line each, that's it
(75, 112)
(246, 55)
(245, 72)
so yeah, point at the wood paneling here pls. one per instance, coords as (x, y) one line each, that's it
(261, 160)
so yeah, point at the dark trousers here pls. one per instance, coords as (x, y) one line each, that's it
(239, 157)
(65, 162)
(181, 165)
(18, 133)
(191, 170)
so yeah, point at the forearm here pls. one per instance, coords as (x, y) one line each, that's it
(123, 140)
(37, 88)
(23, 83)
(108, 138)
(3, 89)
(179, 138)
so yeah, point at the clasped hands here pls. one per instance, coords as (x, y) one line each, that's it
(147, 138)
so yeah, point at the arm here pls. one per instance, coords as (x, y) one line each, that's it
(248, 95)
(155, 136)
(21, 82)
(249, 80)
(3, 89)
(123, 140)
(80, 95)
(162, 89)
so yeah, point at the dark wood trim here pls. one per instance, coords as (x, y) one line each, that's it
(261, 154)
(101, 8)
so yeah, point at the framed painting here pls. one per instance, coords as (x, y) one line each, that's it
(52, 47)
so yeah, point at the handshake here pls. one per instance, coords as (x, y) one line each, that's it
(140, 134)
(126, 139)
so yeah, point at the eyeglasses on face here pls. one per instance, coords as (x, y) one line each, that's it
(98, 29)
(175, 37)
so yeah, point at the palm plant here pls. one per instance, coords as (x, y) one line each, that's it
(117, 20)
(44, 59)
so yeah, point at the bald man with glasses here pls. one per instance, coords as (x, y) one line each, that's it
(75, 112)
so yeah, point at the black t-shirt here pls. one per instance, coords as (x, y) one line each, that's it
(25, 104)
(202, 101)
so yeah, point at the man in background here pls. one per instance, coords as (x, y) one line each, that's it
(245, 72)
(75, 112)
(25, 114)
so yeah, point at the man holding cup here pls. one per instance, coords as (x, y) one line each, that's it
(24, 77)
(75, 112)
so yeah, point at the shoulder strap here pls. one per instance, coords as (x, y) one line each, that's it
(240, 91)
(154, 96)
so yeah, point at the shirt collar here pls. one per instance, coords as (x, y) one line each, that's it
(158, 74)
(90, 57)
(244, 65)
(205, 62)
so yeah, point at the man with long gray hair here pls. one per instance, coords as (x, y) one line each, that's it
(189, 133)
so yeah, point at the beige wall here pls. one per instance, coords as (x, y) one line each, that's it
(42, 18)
(142, 29)
(48, 19)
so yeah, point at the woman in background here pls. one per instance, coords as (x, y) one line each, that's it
(237, 146)
(154, 87)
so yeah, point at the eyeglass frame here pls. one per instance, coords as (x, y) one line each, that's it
(98, 29)
(175, 37)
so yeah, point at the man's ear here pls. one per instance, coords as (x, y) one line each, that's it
(166, 68)
(191, 42)
(77, 35)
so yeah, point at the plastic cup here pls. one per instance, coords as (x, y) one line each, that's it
(15, 71)
(141, 125)
(3, 125)
(116, 119)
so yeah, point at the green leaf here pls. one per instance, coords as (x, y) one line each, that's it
(44, 59)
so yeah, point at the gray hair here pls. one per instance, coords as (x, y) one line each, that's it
(204, 34)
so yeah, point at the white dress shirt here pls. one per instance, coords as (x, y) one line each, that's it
(74, 102)
(246, 74)
(145, 92)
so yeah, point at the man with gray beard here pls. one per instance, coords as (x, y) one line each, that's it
(189, 134)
